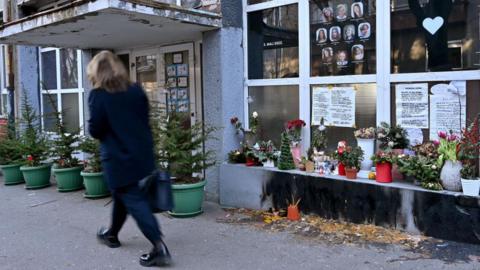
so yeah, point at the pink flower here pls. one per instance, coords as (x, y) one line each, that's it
(436, 142)
(442, 134)
(452, 137)
(30, 158)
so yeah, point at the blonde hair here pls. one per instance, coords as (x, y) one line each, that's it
(106, 71)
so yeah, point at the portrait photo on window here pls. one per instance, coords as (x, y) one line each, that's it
(335, 33)
(357, 10)
(322, 35)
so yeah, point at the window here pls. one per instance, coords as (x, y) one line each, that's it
(273, 43)
(435, 35)
(3, 83)
(342, 37)
(275, 106)
(429, 107)
(324, 53)
(336, 110)
(61, 87)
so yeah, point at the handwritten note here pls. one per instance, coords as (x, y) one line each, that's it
(336, 105)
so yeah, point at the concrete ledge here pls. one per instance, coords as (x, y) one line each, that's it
(441, 214)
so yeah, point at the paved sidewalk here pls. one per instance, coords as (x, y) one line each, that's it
(44, 229)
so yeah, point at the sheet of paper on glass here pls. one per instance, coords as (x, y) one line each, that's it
(412, 105)
(336, 105)
(448, 108)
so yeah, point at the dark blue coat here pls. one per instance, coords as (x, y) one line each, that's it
(121, 122)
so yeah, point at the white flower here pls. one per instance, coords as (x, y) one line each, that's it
(391, 144)
(381, 135)
(256, 146)
(255, 114)
(434, 167)
(321, 128)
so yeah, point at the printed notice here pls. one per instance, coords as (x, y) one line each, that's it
(412, 105)
(448, 108)
(336, 105)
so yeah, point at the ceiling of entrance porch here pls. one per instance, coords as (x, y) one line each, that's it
(109, 24)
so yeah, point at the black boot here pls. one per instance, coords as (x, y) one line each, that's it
(159, 256)
(105, 238)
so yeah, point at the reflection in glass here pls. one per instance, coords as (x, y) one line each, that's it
(4, 108)
(49, 70)
(365, 115)
(273, 43)
(146, 68)
(68, 68)
(70, 112)
(50, 105)
(435, 35)
(275, 106)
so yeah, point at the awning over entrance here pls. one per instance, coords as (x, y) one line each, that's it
(113, 24)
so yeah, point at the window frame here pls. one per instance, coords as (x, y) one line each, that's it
(383, 77)
(3, 82)
(58, 91)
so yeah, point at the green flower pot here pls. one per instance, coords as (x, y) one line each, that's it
(68, 179)
(12, 174)
(95, 185)
(188, 199)
(36, 177)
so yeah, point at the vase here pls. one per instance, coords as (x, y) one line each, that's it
(341, 169)
(251, 162)
(296, 150)
(396, 174)
(471, 187)
(12, 174)
(269, 164)
(384, 172)
(351, 173)
(368, 147)
(293, 213)
(450, 176)
(68, 179)
(95, 186)
(188, 199)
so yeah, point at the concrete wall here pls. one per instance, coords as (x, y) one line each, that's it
(223, 95)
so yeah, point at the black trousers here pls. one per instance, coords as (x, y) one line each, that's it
(130, 200)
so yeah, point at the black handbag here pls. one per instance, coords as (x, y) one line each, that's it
(157, 187)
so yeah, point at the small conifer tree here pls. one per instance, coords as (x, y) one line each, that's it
(285, 161)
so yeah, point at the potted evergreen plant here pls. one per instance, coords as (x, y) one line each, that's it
(351, 158)
(67, 167)
(180, 150)
(92, 174)
(11, 159)
(35, 146)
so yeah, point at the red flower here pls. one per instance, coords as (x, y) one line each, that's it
(234, 120)
(30, 158)
(442, 134)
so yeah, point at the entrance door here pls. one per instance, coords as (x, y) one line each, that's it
(168, 76)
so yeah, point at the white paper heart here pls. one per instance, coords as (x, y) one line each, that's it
(432, 25)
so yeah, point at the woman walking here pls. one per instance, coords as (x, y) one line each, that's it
(119, 118)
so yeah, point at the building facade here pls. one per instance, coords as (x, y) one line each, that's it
(352, 62)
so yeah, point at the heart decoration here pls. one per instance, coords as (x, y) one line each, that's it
(432, 25)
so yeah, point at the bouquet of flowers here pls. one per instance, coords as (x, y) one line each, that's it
(239, 126)
(423, 168)
(365, 133)
(383, 157)
(448, 146)
(392, 137)
(265, 150)
(294, 130)
(351, 157)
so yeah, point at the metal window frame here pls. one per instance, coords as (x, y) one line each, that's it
(383, 78)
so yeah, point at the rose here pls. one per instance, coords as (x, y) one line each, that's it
(254, 114)
(234, 120)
